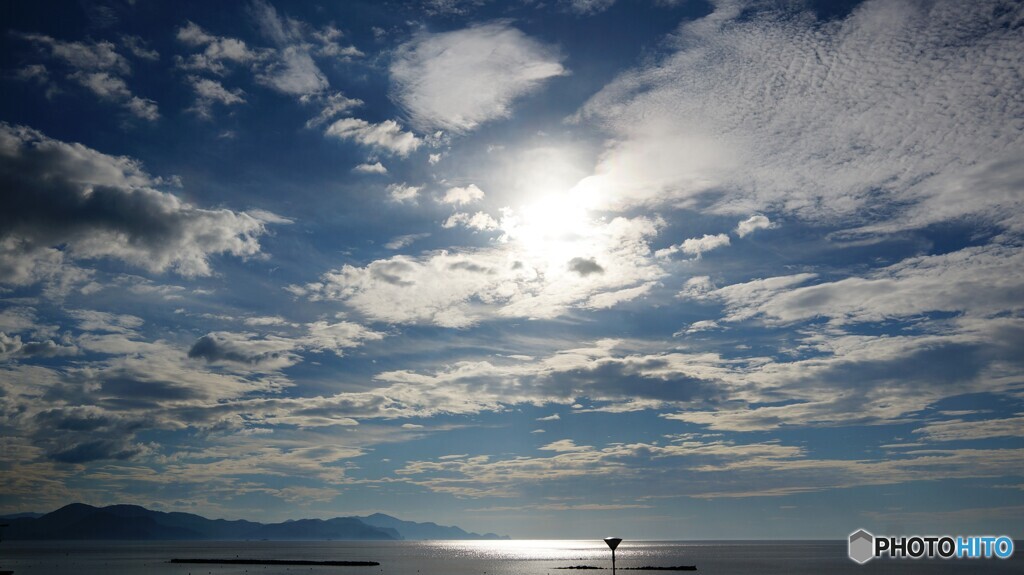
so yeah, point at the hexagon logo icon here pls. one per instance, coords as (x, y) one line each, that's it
(862, 546)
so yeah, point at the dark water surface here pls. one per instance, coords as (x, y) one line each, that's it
(468, 557)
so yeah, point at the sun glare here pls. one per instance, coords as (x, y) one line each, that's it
(556, 222)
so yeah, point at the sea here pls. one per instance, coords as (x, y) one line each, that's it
(518, 557)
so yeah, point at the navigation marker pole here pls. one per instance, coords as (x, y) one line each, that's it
(613, 542)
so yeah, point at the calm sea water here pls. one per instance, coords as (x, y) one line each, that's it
(468, 558)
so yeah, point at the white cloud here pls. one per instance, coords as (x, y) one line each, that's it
(139, 48)
(405, 241)
(403, 192)
(960, 430)
(333, 105)
(478, 221)
(702, 325)
(95, 205)
(752, 224)
(114, 89)
(464, 195)
(696, 246)
(706, 243)
(96, 66)
(292, 70)
(973, 280)
(294, 73)
(95, 56)
(93, 320)
(387, 135)
(515, 278)
(217, 51)
(458, 80)
(588, 7)
(760, 110)
(329, 47)
(210, 92)
(368, 168)
(335, 337)
(564, 446)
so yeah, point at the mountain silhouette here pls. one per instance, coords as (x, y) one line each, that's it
(79, 521)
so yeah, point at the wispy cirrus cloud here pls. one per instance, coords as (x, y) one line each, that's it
(789, 134)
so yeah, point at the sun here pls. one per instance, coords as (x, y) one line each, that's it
(551, 220)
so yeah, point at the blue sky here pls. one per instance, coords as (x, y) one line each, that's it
(669, 269)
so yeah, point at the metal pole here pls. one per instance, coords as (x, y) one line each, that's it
(613, 542)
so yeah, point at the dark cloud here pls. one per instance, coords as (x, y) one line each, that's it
(629, 379)
(469, 267)
(97, 450)
(223, 347)
(13, 346)
(90, 205)
(87, 433)
(585, 266)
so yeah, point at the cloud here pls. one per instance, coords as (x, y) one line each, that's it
(114, 89)
(139, 48)
(564, 446)
(960, 430)
(96, 66)
(747, 113)
(972, 280)
(458, 80)
(217, 50)
(405, 241)
(266, 353)
(292, 70)
(294, 73)
(333, 105)
(92, 321)
(587, 7)
(510, 279)
(585, 266)
(387, 135)
(478, 221)
(97, 56)
(367, 168)
(335, 337)
(702, 325)
(13, 346)
(246, 350)
(462, 196)
(330, 48)
(403, 192)
(100, 206)
(752, 224)
(696, 246)
(452, 6)
(210, 92)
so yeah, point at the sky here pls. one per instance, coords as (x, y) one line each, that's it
(657, 269)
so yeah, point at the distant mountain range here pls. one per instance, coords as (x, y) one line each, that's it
(131, 522)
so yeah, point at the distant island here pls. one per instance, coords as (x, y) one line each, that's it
(79, 521)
